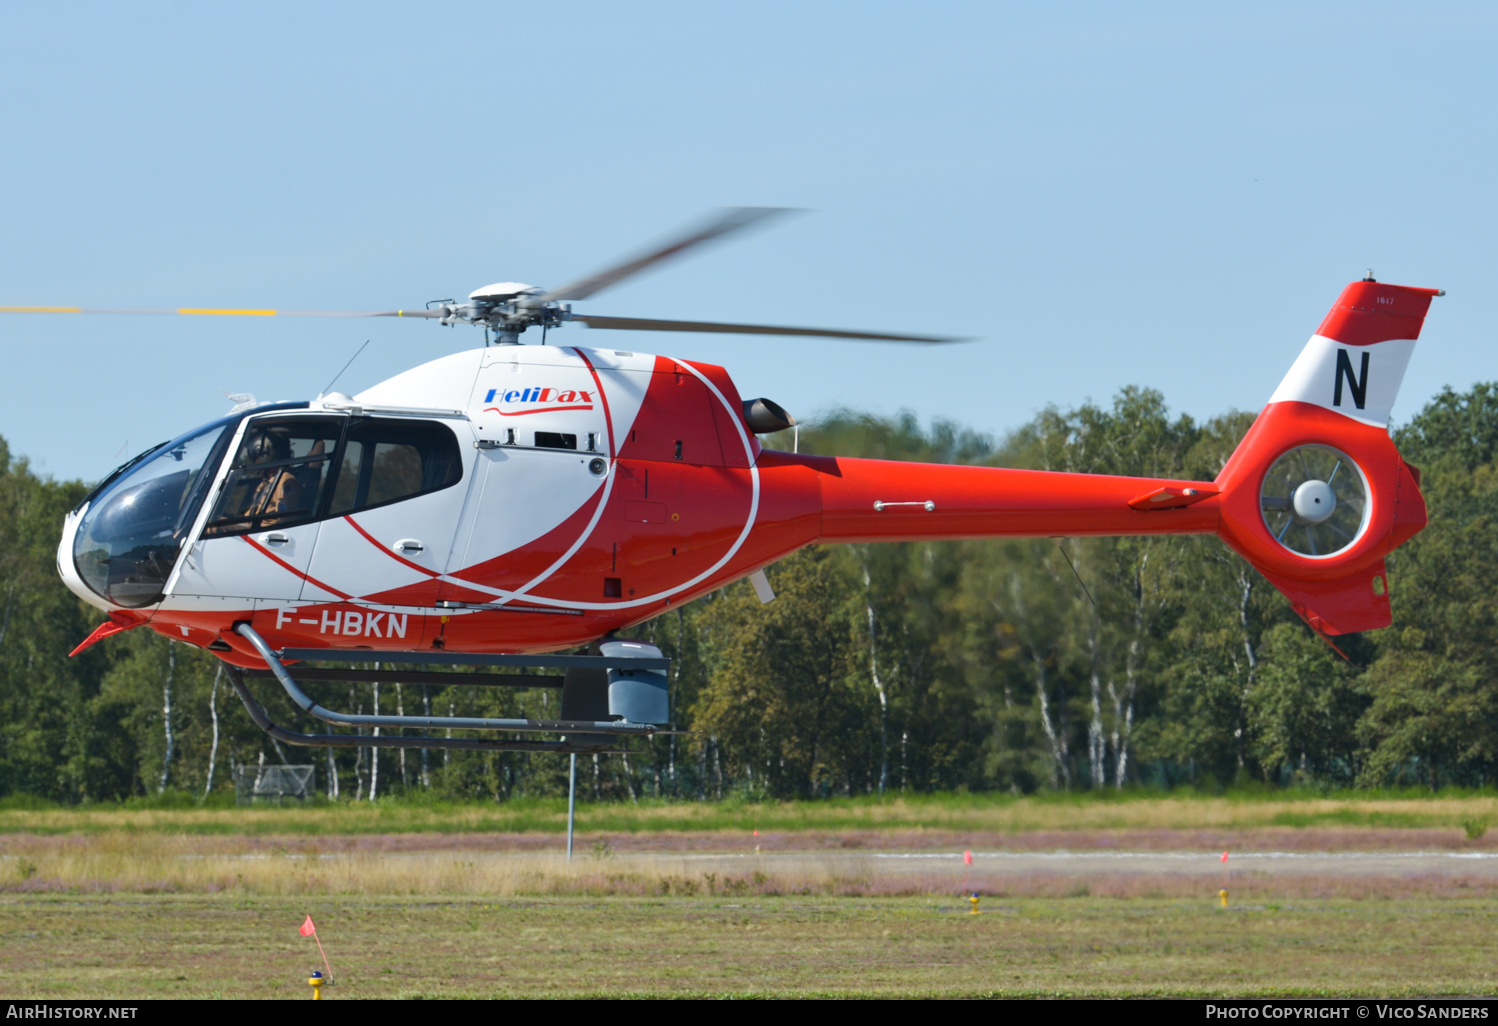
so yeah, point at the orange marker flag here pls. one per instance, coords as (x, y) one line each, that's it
(1224, 858)
(967, 858)
(309, 930)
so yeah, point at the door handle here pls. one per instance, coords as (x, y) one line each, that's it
(276, 539)
(410, 546)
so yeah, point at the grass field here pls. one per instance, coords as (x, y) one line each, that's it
(174, 946)
(988, 814)
(119, 863)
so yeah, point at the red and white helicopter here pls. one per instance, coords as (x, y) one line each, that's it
(509, 501)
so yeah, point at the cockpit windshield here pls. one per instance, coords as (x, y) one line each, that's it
(134, 528)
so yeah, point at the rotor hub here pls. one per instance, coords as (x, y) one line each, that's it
(506, 308)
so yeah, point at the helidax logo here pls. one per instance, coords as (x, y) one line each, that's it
(519, 401)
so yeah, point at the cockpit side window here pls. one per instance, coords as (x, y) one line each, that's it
(278, 475)
(292, 470)
(387, 459)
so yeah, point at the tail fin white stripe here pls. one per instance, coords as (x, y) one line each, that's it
(1360, 382)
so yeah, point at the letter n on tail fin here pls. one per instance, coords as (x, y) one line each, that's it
(1357, 384)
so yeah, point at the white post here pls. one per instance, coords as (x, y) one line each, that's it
(166, 712)
(374, 753)
(571, 802)
(213, 713)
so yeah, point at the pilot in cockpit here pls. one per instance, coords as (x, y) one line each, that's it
(278, 490)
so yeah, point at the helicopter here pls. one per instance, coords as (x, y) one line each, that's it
(508, 504)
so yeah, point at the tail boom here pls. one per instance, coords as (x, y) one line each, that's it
(884, 500)
(1346, 591)
(1332, 407)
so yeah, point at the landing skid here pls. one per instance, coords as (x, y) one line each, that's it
(621, 692)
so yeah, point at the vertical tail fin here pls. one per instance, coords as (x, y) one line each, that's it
(1316, 495)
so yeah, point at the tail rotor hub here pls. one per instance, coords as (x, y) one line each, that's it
(1313, 502)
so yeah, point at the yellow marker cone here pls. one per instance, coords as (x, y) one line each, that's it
(1224, 896)
(974, 910)
(315, 981)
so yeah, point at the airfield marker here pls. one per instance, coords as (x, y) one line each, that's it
(1223, 894)
(967, 868)
(309, 930)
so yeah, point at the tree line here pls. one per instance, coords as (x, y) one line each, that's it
(922, 666)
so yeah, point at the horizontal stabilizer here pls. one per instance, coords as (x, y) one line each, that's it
(1171, 497)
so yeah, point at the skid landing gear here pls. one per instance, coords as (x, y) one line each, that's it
(618, 693)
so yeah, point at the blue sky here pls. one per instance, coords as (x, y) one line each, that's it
(1168, 195)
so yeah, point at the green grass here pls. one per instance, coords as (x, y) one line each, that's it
(150, 946)
(1140, 810)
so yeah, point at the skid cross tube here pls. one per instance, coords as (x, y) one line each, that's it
(488, 680)
(548, 662)
(307, 705)
(291, 737)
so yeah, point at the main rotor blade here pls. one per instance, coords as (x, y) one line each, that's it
(643, 324)
(729, 220)
(216, 312)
